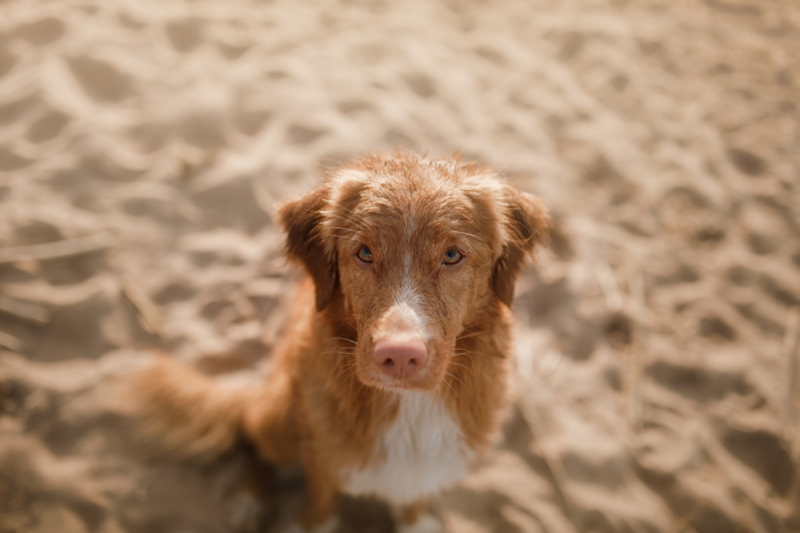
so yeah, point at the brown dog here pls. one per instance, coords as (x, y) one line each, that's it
(391, 377)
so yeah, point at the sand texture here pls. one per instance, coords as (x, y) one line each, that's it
(144, 145)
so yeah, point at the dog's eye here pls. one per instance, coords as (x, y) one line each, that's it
(364, 254)
(451, 257)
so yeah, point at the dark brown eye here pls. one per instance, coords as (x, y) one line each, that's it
(451, 257)
(364, 254)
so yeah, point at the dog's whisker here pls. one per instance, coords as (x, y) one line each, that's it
(456, 378)
(347, 371)
(461, 365)
(472, 325)
(345, 339)
(336, 352)
(472, 334)
(452, 388)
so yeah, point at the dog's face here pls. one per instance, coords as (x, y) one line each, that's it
(419, 251)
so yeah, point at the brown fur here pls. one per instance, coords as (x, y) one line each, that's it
(325, 402)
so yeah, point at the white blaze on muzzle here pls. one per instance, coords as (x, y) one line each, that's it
(401, 322)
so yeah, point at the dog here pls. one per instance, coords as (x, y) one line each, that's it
(390, 379)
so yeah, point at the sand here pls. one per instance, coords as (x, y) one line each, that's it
(653, 386)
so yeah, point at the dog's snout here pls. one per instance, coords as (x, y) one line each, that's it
(400, 359)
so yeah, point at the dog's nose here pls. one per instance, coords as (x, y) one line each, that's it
(400, 358)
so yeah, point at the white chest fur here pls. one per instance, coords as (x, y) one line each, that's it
(420, 453)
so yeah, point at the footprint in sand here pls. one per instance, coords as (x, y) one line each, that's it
(185, 35)
(9, 160)
(491, 55)
(762, 224)
(698, 383)
(782, 291)
(232, 204)
(767, 313)
(40, 32)
(76, 327)
(762, 315)
(231, 52)
(748, 162)
(251, 122)
(36, 232)
(604, 178)
(302, 134)
(421, 84)
(17, 109)
(7, 59)
(102, 81)
(688, 213)
(353, 107)
(765, 453)
(48, 126)
(715, 327)
(396, 137)
(177, 291)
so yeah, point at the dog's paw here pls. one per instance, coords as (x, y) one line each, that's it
(328, 527)
(425, 524)
(245, 512)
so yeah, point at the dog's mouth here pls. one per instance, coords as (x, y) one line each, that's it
(418, 383)
(398, 384)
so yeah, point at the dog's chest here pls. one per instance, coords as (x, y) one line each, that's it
(420, 453)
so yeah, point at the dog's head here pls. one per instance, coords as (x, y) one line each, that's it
(414, 252)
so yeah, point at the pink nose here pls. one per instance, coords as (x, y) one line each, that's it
(400, 359)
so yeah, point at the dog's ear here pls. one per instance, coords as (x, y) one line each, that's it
(302, 220)
(527, 225)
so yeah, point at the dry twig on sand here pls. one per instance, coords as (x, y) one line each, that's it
(10, 342)
(146, 308)
(55, 250)
(553, 463)
(608, 284)
(683, 522)
(636, 307)
(792, 351)
(24, 310)
(529, 411)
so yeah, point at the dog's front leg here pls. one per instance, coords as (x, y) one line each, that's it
(319, 514)
(414, 519)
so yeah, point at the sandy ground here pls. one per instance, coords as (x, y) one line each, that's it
(654, 386)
